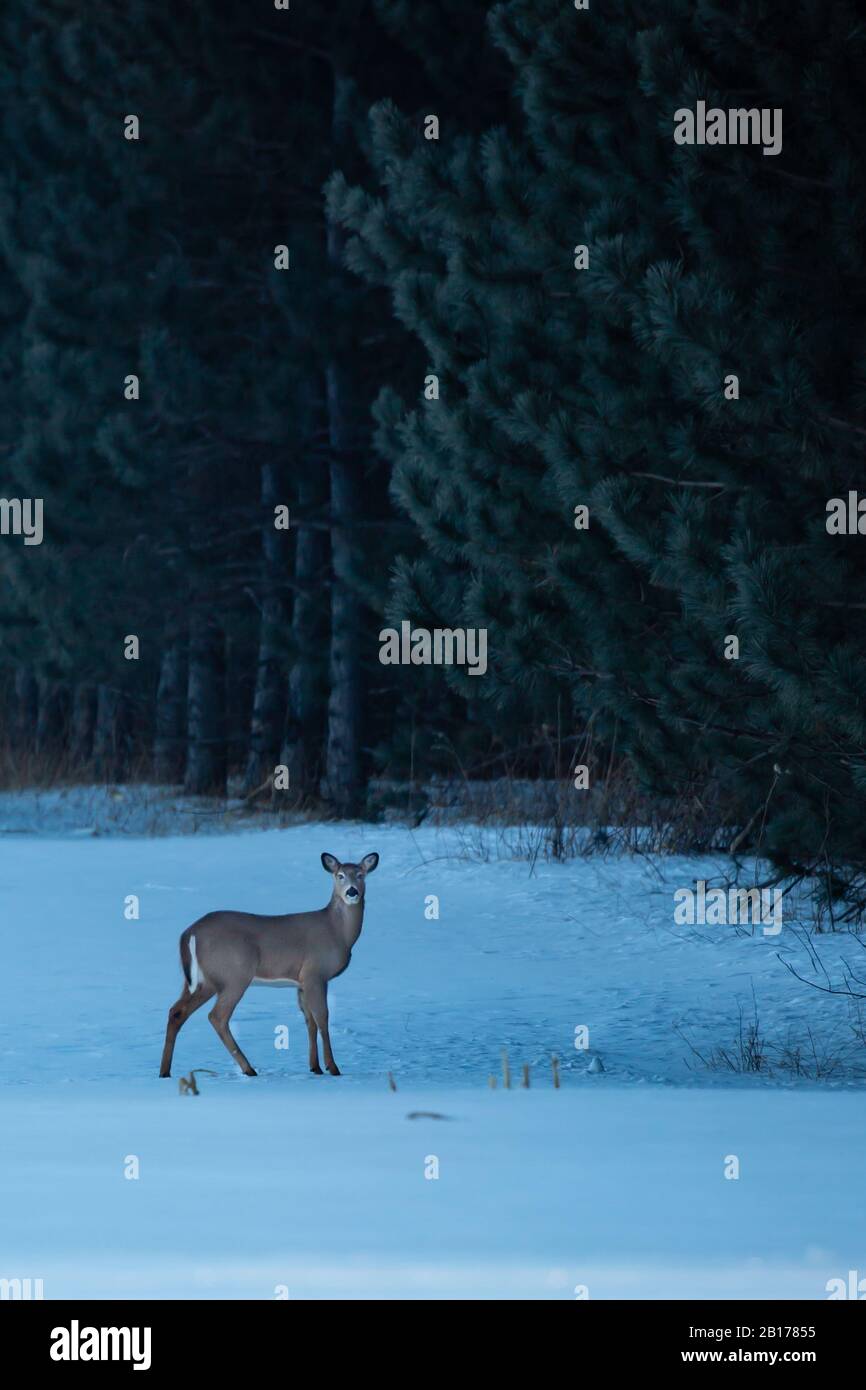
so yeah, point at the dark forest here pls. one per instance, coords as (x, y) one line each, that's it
(316, 321)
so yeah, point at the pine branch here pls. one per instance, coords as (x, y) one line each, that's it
(687, 482)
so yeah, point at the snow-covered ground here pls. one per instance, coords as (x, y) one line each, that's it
(289, 1184)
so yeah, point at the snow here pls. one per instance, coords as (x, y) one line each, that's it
(134, 809)
(315, 1186)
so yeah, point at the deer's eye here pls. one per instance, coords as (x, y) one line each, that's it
(341, 875)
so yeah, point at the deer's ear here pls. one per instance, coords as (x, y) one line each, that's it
(330, 864)
(369, 862)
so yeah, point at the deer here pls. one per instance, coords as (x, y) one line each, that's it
(223, 953)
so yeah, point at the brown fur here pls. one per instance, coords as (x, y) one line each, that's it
(309, 948)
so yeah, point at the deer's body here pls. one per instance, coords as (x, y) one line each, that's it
(275, 949)
(224, 953)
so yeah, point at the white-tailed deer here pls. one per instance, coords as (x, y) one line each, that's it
(224, 953)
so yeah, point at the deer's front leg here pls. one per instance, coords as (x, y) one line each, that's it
(311, 1034)
(316, 1000)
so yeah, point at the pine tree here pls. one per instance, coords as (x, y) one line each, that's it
(763, 282)
(66, 207)
(355, 52)
(475, 237)
(181, 381)
(584, 288)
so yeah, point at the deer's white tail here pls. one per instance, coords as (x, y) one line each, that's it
(194, 972)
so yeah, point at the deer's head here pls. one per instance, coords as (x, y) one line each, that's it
(350, 879)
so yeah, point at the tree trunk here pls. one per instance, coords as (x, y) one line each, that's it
(110, 739)
(53, 719)
(26, 709)
(83, 724)
(269, 698)
(169, 743)
(342, 782)
(206, 757)
(206, 724)
(301, 750)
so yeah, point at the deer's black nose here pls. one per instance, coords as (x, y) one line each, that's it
(351, 893)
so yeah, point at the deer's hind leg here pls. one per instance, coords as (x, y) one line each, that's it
(311, 1034)
(178, 1014)
(227, 1001)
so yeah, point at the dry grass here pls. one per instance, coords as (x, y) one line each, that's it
(751, 1053)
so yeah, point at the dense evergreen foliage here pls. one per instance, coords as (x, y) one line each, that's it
(553, 306)
(159, 257)
(604, 380)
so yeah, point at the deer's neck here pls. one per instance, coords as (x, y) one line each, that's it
(348, 920)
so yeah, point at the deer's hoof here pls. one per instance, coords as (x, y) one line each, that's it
(335, 1071)
(317, 1071)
